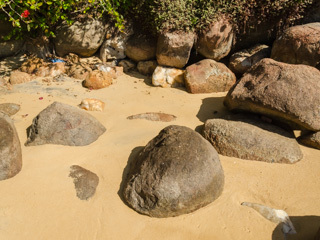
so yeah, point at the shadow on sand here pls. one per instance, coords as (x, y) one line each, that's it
(307, 228)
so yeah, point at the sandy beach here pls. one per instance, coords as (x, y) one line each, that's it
(40, 202)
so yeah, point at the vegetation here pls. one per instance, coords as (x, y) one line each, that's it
(34, 16)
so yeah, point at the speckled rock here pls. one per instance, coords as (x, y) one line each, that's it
(168, 77)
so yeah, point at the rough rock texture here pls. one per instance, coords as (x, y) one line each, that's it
(140, 48)
(173, 48)
(10, 149)
(215, 42)
(147, 67)
(83, 39)
(63, 124)
(248, 138)
(98, 79)
(9, 108)
(242, 61)
(208, 76)
(281, 91)
(177, 172)
(298, 45)
(310, 139)
(32, 65)
(153, 116)
(85, 182)
(168, 77)
(78, 71)
(9, 48)
(18, 77)
(127, 65)
(92, 104)
(317, 236)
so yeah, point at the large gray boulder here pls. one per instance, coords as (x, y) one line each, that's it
(173, 48)
(85, 182)
(215, 42)
(252, 139)
(298, 45)
(82, 38)
(63, 124)
(310, 139)
(208, 76)
(9, 48)
(177, 172)
(10, 149)
(284, 92)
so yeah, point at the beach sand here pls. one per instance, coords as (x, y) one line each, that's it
(40, 202)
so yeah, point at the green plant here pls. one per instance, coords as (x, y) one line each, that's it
(34, 16)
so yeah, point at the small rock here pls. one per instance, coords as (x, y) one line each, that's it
(98, 79)
(92, 104)
(18, 77)
(147, 67)
(247, 138)
(79, 72)
(9, 108)
(141, 48)
(208, 76)
(176, 173)
(240, 62)
(168, 77)
(215, 42)
(65, 125)
(10, 149)
(85, 182)
(173, 48)
(127, 65)
(310, 139)
(163, 117)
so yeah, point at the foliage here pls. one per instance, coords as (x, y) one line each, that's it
(154, 15)
(43, 15)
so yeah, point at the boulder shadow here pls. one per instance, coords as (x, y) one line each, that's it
(131, 162)
(212, 108)
(307, 228)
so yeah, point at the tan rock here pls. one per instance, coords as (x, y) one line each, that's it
(91, 104)
(208, 76)
(18, 77)
(168, 77)
(98, 79)
(240, 62)
(173, 48)
(141, 48)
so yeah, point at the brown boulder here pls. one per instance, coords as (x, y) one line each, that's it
(18, 77)
(140, 48)
(215, 42)
(248, 138)
(173, 48)
(127, 65)
(98, 79)
(176, 173)
(310, 139)
(242, 61)
(298, 45)
(208, 76)
(284, 92)
(10, 149)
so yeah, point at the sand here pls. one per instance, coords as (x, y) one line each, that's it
(40, 202)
